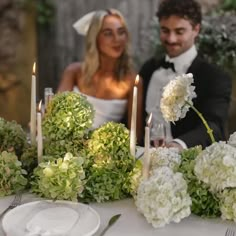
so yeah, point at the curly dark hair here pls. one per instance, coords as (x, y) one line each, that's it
(187, 9)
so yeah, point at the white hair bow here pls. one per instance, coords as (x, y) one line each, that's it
(82, 25)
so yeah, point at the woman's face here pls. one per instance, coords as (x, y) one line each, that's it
(112, 38)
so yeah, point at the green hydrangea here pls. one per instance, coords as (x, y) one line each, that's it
(204, 203)
(12, 178)
(227, 206)
(61, 178)
(59, 148)
(12, 137)
(103, 184)
(134, 178)
(108, 164)
(69, 115)
(110, 146)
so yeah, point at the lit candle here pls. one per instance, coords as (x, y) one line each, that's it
(39, 134)
(33, 109)
(134, 118)
(146, 163)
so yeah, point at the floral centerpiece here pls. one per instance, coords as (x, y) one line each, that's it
(204, 176)
(78, 162)
(100, 166)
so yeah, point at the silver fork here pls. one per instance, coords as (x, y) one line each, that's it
(229, 232)
(16, 201)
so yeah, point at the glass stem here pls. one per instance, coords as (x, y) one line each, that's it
(209, 130)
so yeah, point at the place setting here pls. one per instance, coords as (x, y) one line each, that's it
(51, 218)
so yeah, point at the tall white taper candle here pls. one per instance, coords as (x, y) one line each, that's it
(146, 164)
(134, 118)
(33, 109)
(39, 134)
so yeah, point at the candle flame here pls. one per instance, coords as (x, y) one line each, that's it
(40, 106)
(34, 68)
(149, 119)
(136, 80)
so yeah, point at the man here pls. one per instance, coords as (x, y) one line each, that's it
(180, 22)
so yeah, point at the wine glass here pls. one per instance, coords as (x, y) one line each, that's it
(158, 135)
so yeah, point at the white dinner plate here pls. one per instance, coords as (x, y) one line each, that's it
(51, 218)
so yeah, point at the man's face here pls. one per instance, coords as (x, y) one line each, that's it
(177, 34)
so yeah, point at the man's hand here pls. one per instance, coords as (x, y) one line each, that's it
(175, 145)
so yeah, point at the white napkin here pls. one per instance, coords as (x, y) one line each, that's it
(53, 221)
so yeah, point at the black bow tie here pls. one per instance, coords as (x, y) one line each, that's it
(167, 65)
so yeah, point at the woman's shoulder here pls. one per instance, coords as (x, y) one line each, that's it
(74, 67)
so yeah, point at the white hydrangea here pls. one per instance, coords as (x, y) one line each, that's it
(232, 140)
(163, 198)
(216, 166)
(175, 95)
(228, 204)
(163, 156)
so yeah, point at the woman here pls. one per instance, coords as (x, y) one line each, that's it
(106, 76)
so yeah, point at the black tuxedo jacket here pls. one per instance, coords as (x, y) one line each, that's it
(213, 89)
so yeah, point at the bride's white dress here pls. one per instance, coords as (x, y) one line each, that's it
(106, 110)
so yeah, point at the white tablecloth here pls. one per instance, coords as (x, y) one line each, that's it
(132, 223)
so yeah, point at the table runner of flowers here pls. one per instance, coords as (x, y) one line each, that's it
(84, 165)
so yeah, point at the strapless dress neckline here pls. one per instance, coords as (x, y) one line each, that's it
(106, 109)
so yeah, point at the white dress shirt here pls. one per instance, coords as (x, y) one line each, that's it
(161, 78)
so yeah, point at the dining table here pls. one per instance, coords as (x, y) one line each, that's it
(133, 223)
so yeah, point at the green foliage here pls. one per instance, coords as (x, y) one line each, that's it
(45, 10)
(69, 116)
(134, 178)
(204, 203)
(29, 159)
(217, 44)
(59, 179)
(12, 178)
(229, 5)
(12, 137)
(59, 148)
(103, 184)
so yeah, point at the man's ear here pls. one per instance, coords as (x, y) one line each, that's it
(197, 28)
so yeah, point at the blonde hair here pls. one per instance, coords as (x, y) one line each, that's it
(91, 59)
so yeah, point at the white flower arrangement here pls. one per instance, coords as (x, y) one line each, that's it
(232, 140)
(175, 95)
(177, 99)
(216, 166)
(163, 156)
(228, 204)
(163, 198)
